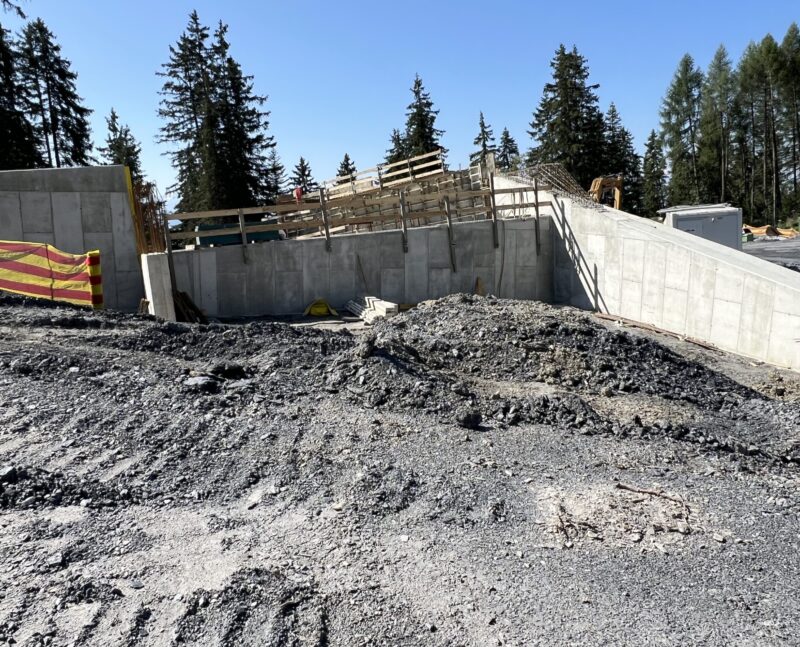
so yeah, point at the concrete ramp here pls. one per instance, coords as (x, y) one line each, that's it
(631, 267)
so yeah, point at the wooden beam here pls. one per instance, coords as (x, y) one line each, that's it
(451, 242)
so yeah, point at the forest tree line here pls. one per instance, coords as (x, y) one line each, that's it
(730, 133)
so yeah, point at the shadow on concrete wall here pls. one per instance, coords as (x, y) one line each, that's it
(580, 273)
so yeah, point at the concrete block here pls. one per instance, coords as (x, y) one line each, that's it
(343, 270)
(96, 212)
(67, 223)
(157, 286)
(260, 279)
(183, 274)
(725, 320)
(208, 294)
(631, 300)
(391, 249)
(611, 272)
(232, 294)
(462, 279)
(316, 271)
(506, 262)
(10, 216)
(368, 265)
(526, 245)
(125, 254)
(788, 300)
(675, 308)
(633, 260)
(438, 282)
(783, 335)
(486, 275)
(393, 284)
(88, 178)
(130, 290)
(701, 297)
(416, 267)
(438, 254)
(288, 255)
(48, 239)
(758, 303)
(728, 283)
(655, 267)
(37, 212)
(679, 261)
(289, 293)
(525, 282)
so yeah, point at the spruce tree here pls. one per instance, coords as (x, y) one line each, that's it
(61, 122)
(302, 178)
(654, 182)
(121, 147)
(19, 149)
(399, 148)
(568, 125)
(790, 86)
(421, 134)
(276, 176)
(680, 123)
(621, 157)
(508, 152)
(484, 141)
(7, 5)
(346, 169)
(715, 128)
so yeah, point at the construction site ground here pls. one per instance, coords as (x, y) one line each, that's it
(472, 472)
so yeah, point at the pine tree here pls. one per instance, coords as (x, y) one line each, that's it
(121, 147)
(421, 134)
(187, 110)
(19, 149)
(242, 136)
(484, 141)
(715, 128)
(790, 86)
(621, 157)
(276, 176)
(346, 169)
(399, 148)
(654, 182)
(680, 122)
(60, 120)
(508, 152)
(302, 178)
(7, 5)
(568, 124)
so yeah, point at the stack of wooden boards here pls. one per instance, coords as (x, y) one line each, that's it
(371, 308)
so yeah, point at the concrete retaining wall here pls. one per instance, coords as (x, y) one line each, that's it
(283, 277)
(642, 270)
(77, 210)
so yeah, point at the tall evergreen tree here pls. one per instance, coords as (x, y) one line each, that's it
(421, 134)
(714, 147)
(7, 5)
(60, 120)
(276, 176)
(568, 125)
(301, 177)
(121, 147)
(18, 150)
(484, 141)
(654, 180)
(399, 148)
(790, 86)
(346, 168)
(680, 123)
(508, 152)
(621, 157)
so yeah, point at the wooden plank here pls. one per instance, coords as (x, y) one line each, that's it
(325, 219)
(451, 243)
(436, 153)
(524, 205)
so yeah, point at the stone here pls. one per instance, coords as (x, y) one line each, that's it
(8, 474)
(203, 383)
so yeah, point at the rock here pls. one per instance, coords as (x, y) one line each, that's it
(8, 474)
(469, 418)
(56, 560)
(136, 584)
(720, 538)
(203, 383)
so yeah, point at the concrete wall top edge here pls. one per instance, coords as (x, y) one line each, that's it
(85, 179)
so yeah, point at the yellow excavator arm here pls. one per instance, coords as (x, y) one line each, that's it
(607, 189)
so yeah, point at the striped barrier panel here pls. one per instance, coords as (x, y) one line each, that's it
(40, 270)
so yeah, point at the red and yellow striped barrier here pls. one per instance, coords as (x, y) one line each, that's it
(40, 270)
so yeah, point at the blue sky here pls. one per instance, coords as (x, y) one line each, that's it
(338, 73)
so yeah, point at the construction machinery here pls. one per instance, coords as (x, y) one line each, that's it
(607, 189)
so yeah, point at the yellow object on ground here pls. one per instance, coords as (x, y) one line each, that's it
(320, 308)
(40, 270)
(769, 230)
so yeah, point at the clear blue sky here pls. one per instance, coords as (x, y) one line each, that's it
(338, 73)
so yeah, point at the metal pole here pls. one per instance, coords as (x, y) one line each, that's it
(452, 244)
(403, 216)
(325, 218)
(494, 210)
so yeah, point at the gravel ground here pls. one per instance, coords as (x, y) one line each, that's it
(783, 251)
(473, 472)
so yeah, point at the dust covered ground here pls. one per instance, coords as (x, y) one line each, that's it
(473, 472)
